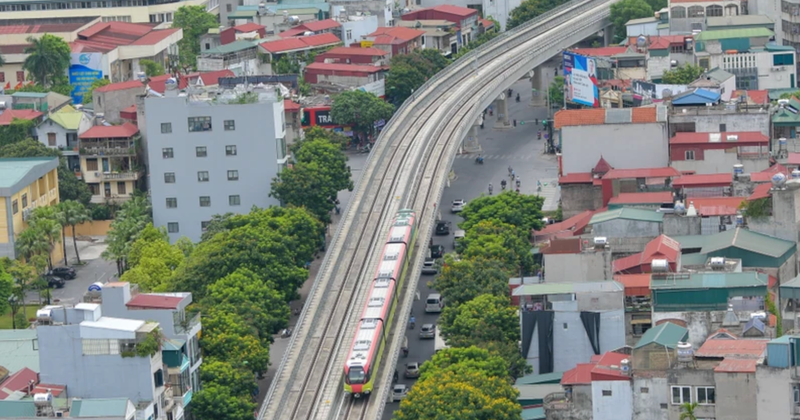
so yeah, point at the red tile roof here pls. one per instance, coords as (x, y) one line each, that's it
(659, 42)
(600, 52)
(742, 348)
(575, 223)
(153, 301)
(751, 137)
(18, 381)
(210, 78)
(635, 284)
(40, 28)
(486, 23)
(300, 43)
(703, 180)
(455, 10)
(155, 37)
(131, 108)
(56, 390)
(572, 117)
(126, 130)
(14, 48)
(760, 97)
(732, 365)
(290, 105)
(659, 197)
(562, 246)
(761, 191)
(642, 173)
(576, 178)
(608, 368)
(249, 27)
(321, 25)
(766, 174)
(793, 159)
(579, 375)
(602, 166)
(131, 84)
(106, 36)
(18, 114)
(292, 32)
(716, 206)
(394, 34)
(353, 68)
(662, 247)
(356, 51)
(158, 83)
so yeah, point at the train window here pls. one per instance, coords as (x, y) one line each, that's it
(356, 375)
(373, 302)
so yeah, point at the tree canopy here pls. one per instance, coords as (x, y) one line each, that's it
(152, 261)
(522, 211)
(360, 109)
(483, 319)
(226, 334)
(230, 375)
(409, 71)
(215, 401)
(556, 92)
(463, 280)
(48, 59)
(462, 360)
(132, 218)
(625, 10)
(682, 75)
(530, 9)
(195, 21)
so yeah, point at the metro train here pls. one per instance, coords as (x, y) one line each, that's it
(369, 342)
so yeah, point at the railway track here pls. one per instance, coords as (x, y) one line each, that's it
(405, 170)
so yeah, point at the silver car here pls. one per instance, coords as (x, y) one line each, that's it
(429, 267)
(399, 391)
(412, 370)
(458, 205)
(427, 331)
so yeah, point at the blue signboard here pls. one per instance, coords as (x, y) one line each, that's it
(84, 69)
(580, 78)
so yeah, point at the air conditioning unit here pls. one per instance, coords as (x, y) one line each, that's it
(59, 414)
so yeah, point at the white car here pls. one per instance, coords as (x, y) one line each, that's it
(458, 205)
(399, 392)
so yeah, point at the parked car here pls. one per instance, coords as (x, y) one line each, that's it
(399, 391)
(412, 370)
(458, 205)
(66, 273)
(429, 266)
(458, 236)
(54, 282)
(442, 227)
(437, 251)
(427, 331)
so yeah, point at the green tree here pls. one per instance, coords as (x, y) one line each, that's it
(16, 131)
(6, 290)
(48, 228)
(151, 68)
(657, 5)
(72, 213)
(217, 224)
(48, 59)
(682, 75)
(519, 210)
(252, 299)
(464, 280)
(360, 110)
(195, 21)
(226, 336)
(530, 9)
(501, 242)
(401, 82)
(152, 261)
(483, 319)
(452, 395)
(132, 218)
(687, 411)
(517, 365)
(464, 359)
(625, 10)
(555, 92)
(286, 65)
(24, 275)
(228, 374)
(217, 402)
(87, 96)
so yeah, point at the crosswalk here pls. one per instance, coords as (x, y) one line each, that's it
(496, 157)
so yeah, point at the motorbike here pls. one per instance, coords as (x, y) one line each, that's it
(411, 323)
(539, 135)
(503, 185)
(366, 149)
(490, 190)
(287, 332)
(479, 160)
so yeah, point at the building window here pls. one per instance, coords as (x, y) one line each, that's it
(233, 175)
(2, 77)
(689, 154)
(121, 188)
(230, 150)
(713, 10)
(696, 12)
(94, 188)
(167, 153)
(20, 76)
(349, 34)
(706, 395)
(681, 394)
(172, 227)
(205, 201)
(15, 206)
(677, 12)
(606, 392)
(230, 125)
(783, 59)
(566, 326)
(199, 123)
(166, 128)
(91, 164)
(228, 7)
(204, 225)
(202, 176)
(201, 151)
(169, 177)
(234, 200)
(51, 139)
(172, 203)
(24, 201)
(644, 390)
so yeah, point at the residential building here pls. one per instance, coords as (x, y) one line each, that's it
(718, 81)
(787, 22)
(627, 223)
(248, 31)
(705, 185)
(212, 158)
(210, 39)
(343, 75)
(110, 99)
(89, 354)
(642, 200)
(136, 11)
(298, 46)
(353, 55)
(60, 131)
(75, 408)
(271, 14)
(19, 350)
(384, 10)
(395, 40)
(710, 153)
(25, 184)
(355, 26)
(314, 27)
(661, 248)
(466, 20)
(740, 22)
(566, 323)
(686, 16)
(697, 116)
(294, 126)
(39, 101)
(239, 57)
(567, 260)
(778, 384)
(498, 10)
(439, 35)
(573, 226)
(652, 355)
(109, 162)
(647, 26)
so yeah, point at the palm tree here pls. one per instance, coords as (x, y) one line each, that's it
(46, 58)
(687, 411)
(31, 242)
(72, 213)
(48, 230)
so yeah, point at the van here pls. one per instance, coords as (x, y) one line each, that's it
(434, 303)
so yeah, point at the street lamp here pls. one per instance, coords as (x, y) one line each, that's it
(12, 300)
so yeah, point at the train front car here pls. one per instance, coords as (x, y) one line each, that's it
(370, 339)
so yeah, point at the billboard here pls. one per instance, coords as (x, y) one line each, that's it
(646, 91)
(84, 68)
(580, 78)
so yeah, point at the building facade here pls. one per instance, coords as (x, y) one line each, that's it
(212, 158)
(110, 161)
(136, 11)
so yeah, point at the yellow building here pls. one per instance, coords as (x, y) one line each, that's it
(25, 183)
(136, 11)
(109, 163)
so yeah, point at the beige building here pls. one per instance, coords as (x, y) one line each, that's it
(109, 161)
(135, 11)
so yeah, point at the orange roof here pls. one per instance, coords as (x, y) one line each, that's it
(395, 34)
(732, 365)
(369, 52)
(659, 42)
(292, 32)
(716, 206)
(703, 180)
(290, 105)
(741, 348)
(766, 174)
(321, 25)
(353, 68)
(249, 27)
(110, 131)
(579, 375)
(562, 246)
(751, 137)
(608, 367)
(130, 84)
(793, 159)
(18, 114)
(642, 173)
(576, 178)
(455, 10)
(756, 96)
(761, 191)
(210, 78)
(635, 284)
(658, 197)
(572, 117)
(662, 247)
(600, 51)
(575, 223)
(300, 43)
(486, 23)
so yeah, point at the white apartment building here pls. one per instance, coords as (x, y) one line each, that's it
(212, 156)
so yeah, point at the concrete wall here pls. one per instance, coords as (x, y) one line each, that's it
(256, 160)
(708, 121)
(111, 103)
(580, 406)
(617, 406)
(624, 146)
(576, 198)
(691, 377)
(650, 393)
(735, 399)
(93, 228)
(358, 28)
(621, 247)
(675, 225)
(785, 220)
(623, 228)
(570, 268)
(700, 324)
(720, 161)
(774, 399)
(656, 66)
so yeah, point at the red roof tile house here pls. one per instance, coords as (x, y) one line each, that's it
(710, 153)
(353, 55)
(572, 260)
(396, 40)
(707, 185)
(299, 45)
(315, 27)
(600, 389)
(109, 100)
(248, 31)
(109, 162)
(348, 75)
(466, 19)
(661, 248)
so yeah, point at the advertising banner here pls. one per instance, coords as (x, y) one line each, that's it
(580, 78)
(84, 68)
(647, 91)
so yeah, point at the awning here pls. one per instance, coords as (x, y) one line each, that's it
(635, 284)
(641, 321)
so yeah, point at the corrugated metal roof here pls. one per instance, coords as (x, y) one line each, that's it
(659, 197)
(628, 214)
(665, 172)
(543, 378)
(666, 334)
(717, 34)
(710, 280)
(13, 170)
(565, 288)
(99, 407)
(635, 284)
(126, 130)
(562, 246)
(702, 180)
(696, 97)
(18, 350)
(17, 409)
(749, 241)
(741, 348)
(154, 301)
(579, 375)
(738, 20)
(576, 178)
(755, 137)
(732, 365)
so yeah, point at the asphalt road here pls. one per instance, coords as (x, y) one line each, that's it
(517, 147)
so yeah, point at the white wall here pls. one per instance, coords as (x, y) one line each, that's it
(719, 161)
(769, 77)
(649, 28)
(774, 399)
(647, 405)
(358, 28)
(624, 146)
(617, 406)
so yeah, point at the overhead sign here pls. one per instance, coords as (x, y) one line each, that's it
(366, 44)
(84, 69)
(580, 78)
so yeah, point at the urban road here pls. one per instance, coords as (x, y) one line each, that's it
(408, 168)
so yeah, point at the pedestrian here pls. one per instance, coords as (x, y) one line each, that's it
(515, 122)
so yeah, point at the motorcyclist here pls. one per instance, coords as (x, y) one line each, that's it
(479, 159)
(510, 170)
(412, 322)
(539, 134)
(503, 184)
(517, 97)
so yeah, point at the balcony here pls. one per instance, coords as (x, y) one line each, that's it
(108, 151)
(187, 325)
(557, 401)
(120, 176)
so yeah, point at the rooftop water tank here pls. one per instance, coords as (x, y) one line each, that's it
(42, 400)
(779, 179)
(796, 174)
(738, 169)
(685, 352)
(739, 220)
(659, 266)
(782, 142)
(759, 314)
(625, 366)
(717, 262)
(600, 241)
(96, 287)
(44, 314)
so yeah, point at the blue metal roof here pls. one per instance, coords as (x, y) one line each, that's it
(754, 323)
(698, 97)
